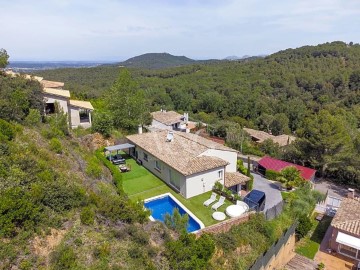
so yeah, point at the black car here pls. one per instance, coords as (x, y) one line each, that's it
(256, 200)
(116, 159)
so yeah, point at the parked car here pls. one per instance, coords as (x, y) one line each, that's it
(256, 200)
(116, 159)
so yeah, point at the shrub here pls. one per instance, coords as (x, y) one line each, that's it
(55, 145)
(64, 258)
(7, 130)
(93, 168)
(139, 236)
(304, 226)
(33, 119)
(102, 123)
(271, 175)
(87, 215)
(218, 187)
(102, 251)
(176, 221)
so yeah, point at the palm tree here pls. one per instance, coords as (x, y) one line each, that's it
(290, 177)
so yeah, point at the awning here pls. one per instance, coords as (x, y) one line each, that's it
(348, 240)
(119, 147)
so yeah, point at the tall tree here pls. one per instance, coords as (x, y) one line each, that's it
(326, 140)
(3, 58)
(126, 103)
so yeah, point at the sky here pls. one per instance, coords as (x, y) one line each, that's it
(114, 30)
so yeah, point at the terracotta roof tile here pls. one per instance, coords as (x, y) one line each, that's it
(261, 136)
(52, 84)
(347, 217)
(57, 92)
(235, 178)
(184, 153)
(167, 117)
(81, 104)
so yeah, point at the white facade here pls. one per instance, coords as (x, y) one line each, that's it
(187, 186)
(229, 156)
(62, 101)
(202, 182)
(75, 120)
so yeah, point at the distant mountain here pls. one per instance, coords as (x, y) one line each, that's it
(157, 61)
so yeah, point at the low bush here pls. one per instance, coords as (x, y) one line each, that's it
(7, 130)
(64, 258)
(93, 168)
(87, 215)
(55, 145)
(102, 251)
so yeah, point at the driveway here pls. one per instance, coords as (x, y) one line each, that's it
(273, 194)
(334, 190)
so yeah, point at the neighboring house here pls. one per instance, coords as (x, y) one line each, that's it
(169, 120)
(268, 163)
(345, 226)
(260, 136)
(189, 163)
(79, 112)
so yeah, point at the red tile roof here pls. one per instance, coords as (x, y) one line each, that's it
(277, 165)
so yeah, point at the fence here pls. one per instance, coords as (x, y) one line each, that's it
(274, 211)
(264, 259)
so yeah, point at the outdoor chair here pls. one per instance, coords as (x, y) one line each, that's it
(219, 203)
(211, 200)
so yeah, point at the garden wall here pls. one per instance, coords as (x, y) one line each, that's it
(225, 225)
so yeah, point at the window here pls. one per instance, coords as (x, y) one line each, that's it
(145, 156)
(220, 173)
(174, 179)
(157, 165)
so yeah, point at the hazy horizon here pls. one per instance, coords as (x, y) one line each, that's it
(115, 30)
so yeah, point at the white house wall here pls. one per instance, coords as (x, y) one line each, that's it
(62, 101)
(228, 156)
(164, 173)
(200, 183)
(75, 118)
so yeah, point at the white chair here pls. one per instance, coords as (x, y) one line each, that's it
(219, 203)
(211, 200)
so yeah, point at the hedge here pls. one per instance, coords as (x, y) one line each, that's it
(117, 177)
(271, 175)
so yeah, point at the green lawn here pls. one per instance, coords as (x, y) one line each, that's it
(309, 245)
(141, 184)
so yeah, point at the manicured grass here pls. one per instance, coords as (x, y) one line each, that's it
(141, 184)
(309, 245)
(285, 195)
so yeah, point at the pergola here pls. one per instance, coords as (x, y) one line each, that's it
(118, 147)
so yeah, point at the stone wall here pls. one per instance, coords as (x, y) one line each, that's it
(225, 225)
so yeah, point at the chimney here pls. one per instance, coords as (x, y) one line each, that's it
(186, 117)
(170, 136)
(140, 129)
(351, 193)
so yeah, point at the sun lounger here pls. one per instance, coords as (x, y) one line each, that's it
(211, 200)
(219, 203)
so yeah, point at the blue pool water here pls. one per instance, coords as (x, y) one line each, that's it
(159, 207)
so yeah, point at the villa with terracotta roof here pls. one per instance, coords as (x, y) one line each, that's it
(79, 112)
(259, 136)
(268, 163)
(170, 120)
(187, 162)
(345, 226)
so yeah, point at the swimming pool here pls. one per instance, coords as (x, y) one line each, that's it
(165, 203)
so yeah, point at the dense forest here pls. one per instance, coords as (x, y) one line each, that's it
(311, 92)
(62, 205)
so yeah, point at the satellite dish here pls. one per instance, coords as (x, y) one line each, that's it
(170, 136)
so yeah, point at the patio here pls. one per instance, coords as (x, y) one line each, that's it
(141, 184)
